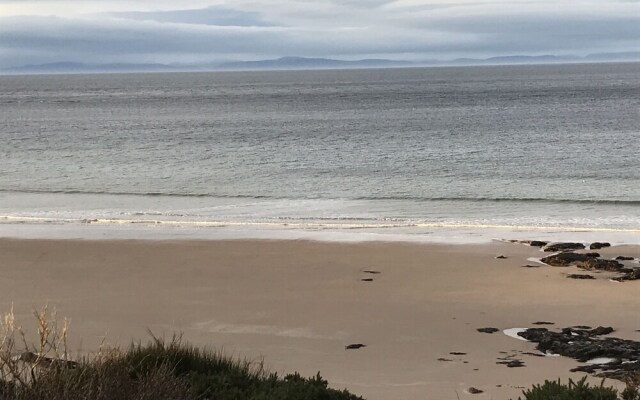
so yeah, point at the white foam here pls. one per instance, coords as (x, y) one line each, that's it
(601, 360)
(513, 333)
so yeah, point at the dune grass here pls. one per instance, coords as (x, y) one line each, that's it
(171, 370)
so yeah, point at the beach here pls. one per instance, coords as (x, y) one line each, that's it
(296, 304)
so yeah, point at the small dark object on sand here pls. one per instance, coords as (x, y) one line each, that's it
(370, 271)
(457, 353)
(501, 257)
(580, 276)
(624, 258)
(543, 323)
(488, 330)
(444, 359)
(354, 346)
(581, 327)
(534, 354)
(512, 363)
(531, 266)
(366, 280)
(473, 390)
(599, 245)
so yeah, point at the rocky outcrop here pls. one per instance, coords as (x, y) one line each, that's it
(600, 265)
(631, 275)
(567, 258)
(566, 246)
(599, 245)
(609, 357)
(624, 258)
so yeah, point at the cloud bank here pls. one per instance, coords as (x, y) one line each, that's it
(145, 31)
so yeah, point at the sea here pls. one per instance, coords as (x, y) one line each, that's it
(448, 154)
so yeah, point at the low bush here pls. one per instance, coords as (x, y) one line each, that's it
(159, 370)
(581, 390)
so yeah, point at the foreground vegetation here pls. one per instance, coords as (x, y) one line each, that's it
(168, 370)
(173, 370)
(555, 390)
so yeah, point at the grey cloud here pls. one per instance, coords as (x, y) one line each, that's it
(331, 28)
(219, 16)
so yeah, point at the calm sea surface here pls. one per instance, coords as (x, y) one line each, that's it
(374, 152)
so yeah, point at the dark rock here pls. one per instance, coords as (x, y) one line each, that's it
(601, 330)
(366, 280)
(512, 363)
(369, 271)
(633, 275)
(592, 255)
(624, 258)
(563, 246)
(580, 276)
(543, 323)
(600, 265)
(355, 346)
(488, 330)
(457, 353)
(586, 344)
(473, 390)
(599, 245)
(538, 243)
(501, 257)
(444, 359)
(531, 266)
(581, 327)
(532, 334)
(565, 259)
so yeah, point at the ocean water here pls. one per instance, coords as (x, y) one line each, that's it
(431, 154)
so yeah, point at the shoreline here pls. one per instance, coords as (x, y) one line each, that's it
(296, 304)
(462, 234)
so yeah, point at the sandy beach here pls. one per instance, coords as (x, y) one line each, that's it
(297, 304)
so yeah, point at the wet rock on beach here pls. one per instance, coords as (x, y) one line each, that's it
(567, 258)
(566, 246)
(600, 265)
(607, 356)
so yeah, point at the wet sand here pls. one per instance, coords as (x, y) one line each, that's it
(297, 304)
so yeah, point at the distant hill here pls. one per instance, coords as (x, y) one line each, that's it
(300, 63)
(510, 60)
(311, 63)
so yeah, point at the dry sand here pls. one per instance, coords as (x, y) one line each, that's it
(296, 304)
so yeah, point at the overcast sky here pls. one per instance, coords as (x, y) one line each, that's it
(188, 31)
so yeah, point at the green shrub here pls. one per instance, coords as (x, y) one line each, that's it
(210, 375)
(554, 390)
(156, 371)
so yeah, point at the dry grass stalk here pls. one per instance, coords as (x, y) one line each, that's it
(19, 360)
